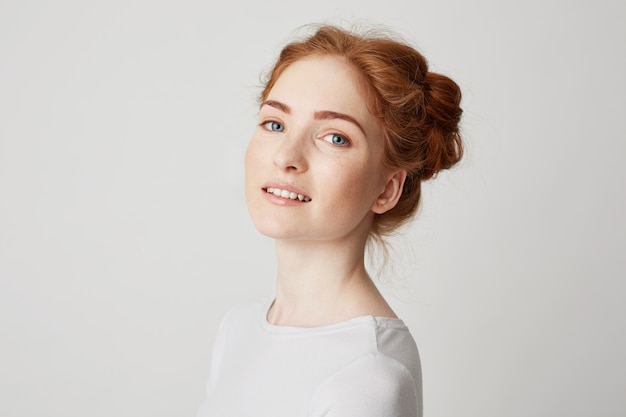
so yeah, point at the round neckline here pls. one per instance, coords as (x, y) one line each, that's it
(376, 321)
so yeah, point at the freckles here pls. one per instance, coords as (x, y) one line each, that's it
(350, 184)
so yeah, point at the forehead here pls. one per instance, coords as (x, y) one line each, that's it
(326, 82)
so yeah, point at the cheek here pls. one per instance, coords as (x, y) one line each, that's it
(251, 171)
(251, 159)
(370, 183)
(356, 185)
(247, 161)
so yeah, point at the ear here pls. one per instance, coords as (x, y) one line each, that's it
(391, 193)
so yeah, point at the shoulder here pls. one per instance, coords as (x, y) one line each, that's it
(372, 385)
(241, 319)
(394, 340)
(236, 325)
(252, 309)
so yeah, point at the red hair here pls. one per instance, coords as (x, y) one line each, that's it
(418, 110)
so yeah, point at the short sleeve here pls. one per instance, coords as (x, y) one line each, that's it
(372, 386)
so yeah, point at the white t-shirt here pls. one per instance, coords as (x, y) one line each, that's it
(366, 366)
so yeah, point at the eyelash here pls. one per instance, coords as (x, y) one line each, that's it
(274, 126)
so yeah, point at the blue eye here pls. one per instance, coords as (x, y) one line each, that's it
(336, 139)
(274, 126)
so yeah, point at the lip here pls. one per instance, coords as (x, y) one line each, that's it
(287, 187)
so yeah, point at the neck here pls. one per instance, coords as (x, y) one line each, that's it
(322, 283)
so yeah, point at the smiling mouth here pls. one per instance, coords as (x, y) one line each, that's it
(287, 194)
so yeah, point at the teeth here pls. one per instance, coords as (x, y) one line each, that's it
(287, 194)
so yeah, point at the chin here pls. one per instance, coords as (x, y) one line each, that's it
(270, 222)
(272, 228)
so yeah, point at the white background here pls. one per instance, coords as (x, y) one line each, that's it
(124, 235)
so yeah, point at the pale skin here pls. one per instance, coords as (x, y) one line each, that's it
(314, 181)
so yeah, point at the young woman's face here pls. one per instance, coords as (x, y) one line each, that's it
(313, 164)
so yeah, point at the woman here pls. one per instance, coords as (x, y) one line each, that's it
(349, 126)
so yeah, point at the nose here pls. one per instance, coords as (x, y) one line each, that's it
(290, 154)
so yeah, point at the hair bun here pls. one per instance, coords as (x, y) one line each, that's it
(442, 99)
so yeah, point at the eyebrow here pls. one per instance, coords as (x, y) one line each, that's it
(278, 105)
(319, 115)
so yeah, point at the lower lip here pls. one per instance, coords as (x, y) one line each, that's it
(282, 201)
